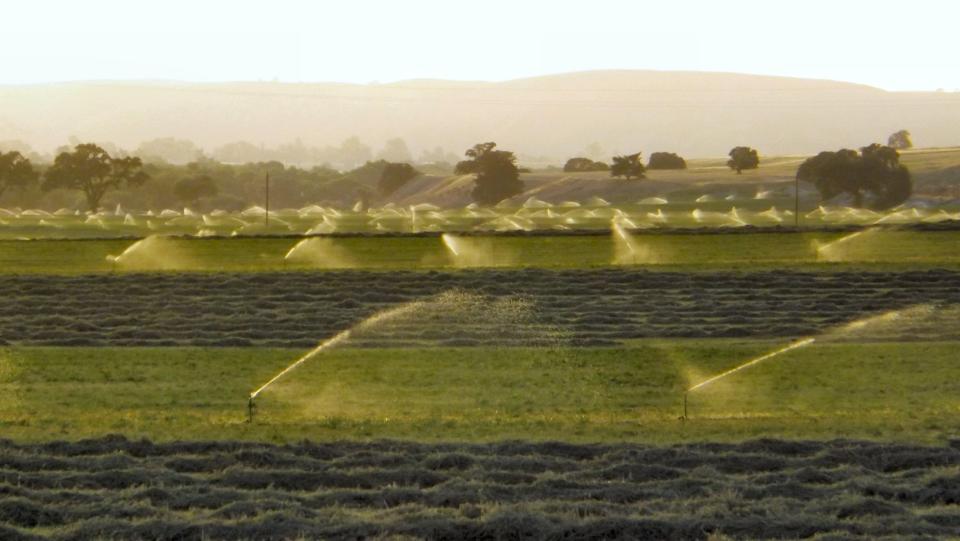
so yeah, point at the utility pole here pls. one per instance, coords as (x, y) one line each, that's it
(266, 215)
(796, 202)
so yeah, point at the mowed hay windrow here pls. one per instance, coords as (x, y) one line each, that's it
(228, 490)
(596, 307)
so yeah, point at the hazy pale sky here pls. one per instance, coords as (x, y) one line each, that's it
(892, 45)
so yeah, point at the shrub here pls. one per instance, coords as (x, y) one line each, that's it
(584, 165)
(666, 160)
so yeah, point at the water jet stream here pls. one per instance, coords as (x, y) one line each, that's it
(153, 252)
(474, 252)
(708, 381)
(824, 250)
(133, 248)
(627, 251)
(296, 248)
(627, 239)
(318, 252)
(451, 243)
(795, 345)
(841, 240)
(339, 338)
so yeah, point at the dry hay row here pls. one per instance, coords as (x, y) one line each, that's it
(117, 488)
(592, 307)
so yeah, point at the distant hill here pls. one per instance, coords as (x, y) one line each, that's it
(695, 114)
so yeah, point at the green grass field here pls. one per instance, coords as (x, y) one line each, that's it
(884, 248)
(889, 391)
(884, 368)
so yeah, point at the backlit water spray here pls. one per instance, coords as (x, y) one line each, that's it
(318, 252)
(933, 322)
(453, 318)
(911, 323)
(331, 343)
(452, 244)
(150, 253)
(474, 252)
(126, 254)
(828, 252)
(748, 364)
(627, 251)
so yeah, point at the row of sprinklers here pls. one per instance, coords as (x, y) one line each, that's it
(155, 252)
(424, 218)
(162, 253)
(916, 320)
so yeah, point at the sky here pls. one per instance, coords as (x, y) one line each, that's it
(890, 45)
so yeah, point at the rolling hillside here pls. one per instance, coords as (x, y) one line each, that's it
(696, 114)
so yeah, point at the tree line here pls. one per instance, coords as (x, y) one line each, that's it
(872, 177)
(92, 174)
(631, 166)
(350, 153)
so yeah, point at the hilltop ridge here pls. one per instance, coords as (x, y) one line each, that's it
(697, 114)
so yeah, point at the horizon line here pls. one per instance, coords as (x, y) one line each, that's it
(454, 81)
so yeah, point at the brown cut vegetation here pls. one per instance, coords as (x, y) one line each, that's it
(757, 489)
(593, 307)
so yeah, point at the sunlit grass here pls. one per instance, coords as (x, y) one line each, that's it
(886, 249)
(908, 391)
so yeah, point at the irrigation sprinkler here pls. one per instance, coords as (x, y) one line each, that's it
(330, 343)
(751, 362)
(251, 405)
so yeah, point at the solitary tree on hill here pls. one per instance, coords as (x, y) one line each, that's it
(15, 171)
(900, 140)
(497, 174)
(743, 158)
(628, 166)
(666, 160)
(90, 169)
(875, 175)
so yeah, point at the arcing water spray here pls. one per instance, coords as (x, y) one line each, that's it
(913, 321)
(451, 243)
(154, 252)
(474, 252)
(340, 337)
(626, 249)
(320, 252)
(708, 381)
(329, 344)
(825, 251)
(507, 321)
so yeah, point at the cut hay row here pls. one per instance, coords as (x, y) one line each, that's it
(590, 307)
(117, 488)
